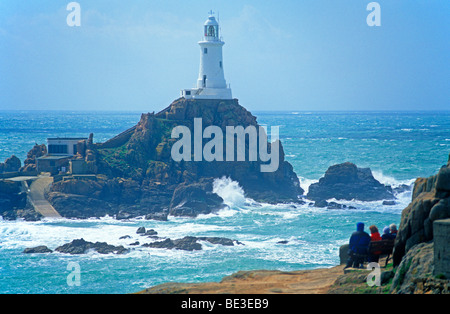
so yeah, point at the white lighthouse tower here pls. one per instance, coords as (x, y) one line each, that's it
(211, 82)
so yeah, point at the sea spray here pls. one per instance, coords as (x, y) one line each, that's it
(232, 193)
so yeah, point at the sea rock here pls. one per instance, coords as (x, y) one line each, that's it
(219, 240)
(190, 243)
(194, 199)
(161, 216)
(37, 249)
(80, 246)
(143, 231)
(347, 182)
(186, 244)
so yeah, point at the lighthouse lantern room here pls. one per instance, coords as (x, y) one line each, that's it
(211, 82)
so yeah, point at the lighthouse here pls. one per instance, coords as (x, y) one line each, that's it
(211, 82)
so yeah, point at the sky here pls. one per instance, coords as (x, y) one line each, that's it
(294, 55)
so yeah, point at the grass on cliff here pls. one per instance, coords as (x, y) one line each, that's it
(115, 157)
(355, 282)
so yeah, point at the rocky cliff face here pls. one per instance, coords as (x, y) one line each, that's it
(136, 174)
(430, 202)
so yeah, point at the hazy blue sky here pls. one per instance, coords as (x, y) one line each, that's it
(279, 55)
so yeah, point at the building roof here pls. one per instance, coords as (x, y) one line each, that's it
(66, 138)
(55, 157)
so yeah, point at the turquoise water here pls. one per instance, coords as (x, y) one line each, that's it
(398, 147)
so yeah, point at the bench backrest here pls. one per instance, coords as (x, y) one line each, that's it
(383, 246)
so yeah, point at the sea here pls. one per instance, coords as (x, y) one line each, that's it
(397, 146)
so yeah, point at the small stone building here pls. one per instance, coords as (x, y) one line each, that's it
(60, 152)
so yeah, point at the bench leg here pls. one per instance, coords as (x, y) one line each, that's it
(387, 260)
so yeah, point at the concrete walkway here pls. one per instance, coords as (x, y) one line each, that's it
(37, 198)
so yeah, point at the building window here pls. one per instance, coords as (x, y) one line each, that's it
(220, 64)
(205, 50)
(57, 149)
(188, 93)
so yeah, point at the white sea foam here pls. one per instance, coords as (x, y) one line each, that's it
(232, 194)
(388, 180)
(305, 183)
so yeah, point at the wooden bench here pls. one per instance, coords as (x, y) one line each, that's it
(385, 247)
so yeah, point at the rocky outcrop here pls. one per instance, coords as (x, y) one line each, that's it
(80, 246)
(29, 164)
(430, 202)
(136, 176)
(194, 199)
(414, 275)
(11, 164)
(41, 249)
(13, 202)
(190, 243)
(347, 182)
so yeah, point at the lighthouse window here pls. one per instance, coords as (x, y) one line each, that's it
(205, 51)
(211, 31)
(220, 64)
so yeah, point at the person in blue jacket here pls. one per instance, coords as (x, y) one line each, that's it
(358, 246)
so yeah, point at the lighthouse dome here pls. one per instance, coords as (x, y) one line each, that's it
(211, 29)
(211, 21)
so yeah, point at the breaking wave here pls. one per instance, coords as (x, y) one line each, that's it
(231, 192)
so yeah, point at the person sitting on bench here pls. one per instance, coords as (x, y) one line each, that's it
(387, 235)
(358, 246)
(374, 236)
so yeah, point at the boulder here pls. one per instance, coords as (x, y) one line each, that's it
(140, 230)
(143, 231)
(443, 179)
(343, 254)
(441, 210)
(347, 182)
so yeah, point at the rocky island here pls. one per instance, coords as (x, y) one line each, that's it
(133, 173)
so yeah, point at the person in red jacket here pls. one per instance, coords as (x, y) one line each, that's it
(374, 236)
